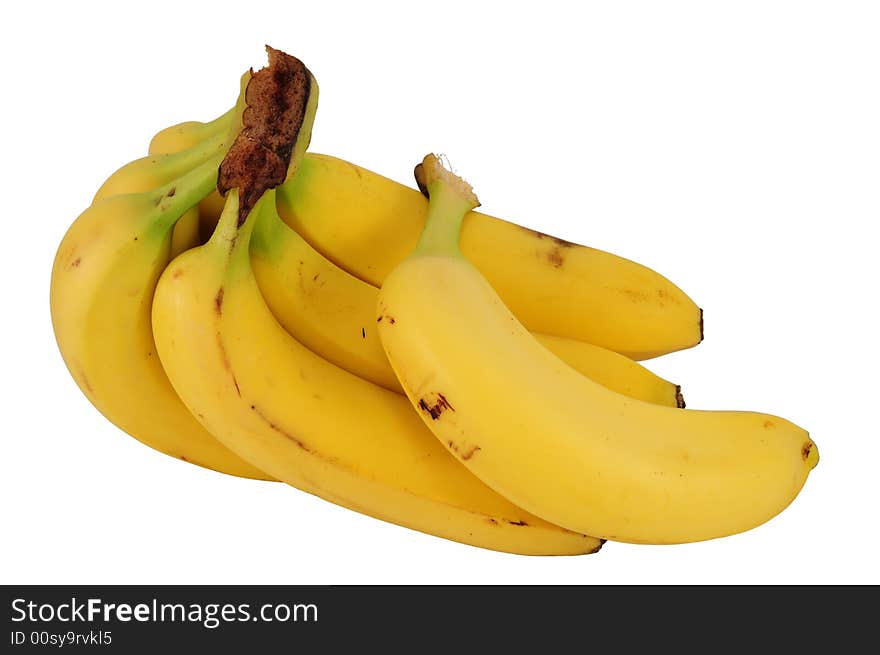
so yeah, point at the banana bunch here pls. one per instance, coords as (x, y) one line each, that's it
(241, 304)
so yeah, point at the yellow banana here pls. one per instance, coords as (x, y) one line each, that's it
(310, 423)
(281, 406)
(101, 292)
(333, 313)
(185, 234)
(366, 224)
(552, 441)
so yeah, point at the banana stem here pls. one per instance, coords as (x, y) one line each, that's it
(281, 100)
(202, 163)
(233, 240)
(219, 123)
(180, 162)
(176, 198)
(276, 128)
(269, 229)
(234, 115)
(450, 198)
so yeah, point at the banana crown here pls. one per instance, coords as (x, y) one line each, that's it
(274, 135)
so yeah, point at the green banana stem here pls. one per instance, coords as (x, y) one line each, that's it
(239, 258)
(234, 115)
(450, 198)
(223, 131)
(174, 199)
(179, 162)
(304, 136)
(223, 120)
(269, 230)
(229, 238)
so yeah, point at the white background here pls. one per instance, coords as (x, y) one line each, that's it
(734, 147)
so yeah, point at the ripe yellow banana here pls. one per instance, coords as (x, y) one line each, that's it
(281, 406)
(310, 423)
(101, 292)
(366, 224)
(552, 441)
(333, 313)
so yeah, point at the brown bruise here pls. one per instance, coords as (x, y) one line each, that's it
(555, 257)
(436, 408)
(805, 451)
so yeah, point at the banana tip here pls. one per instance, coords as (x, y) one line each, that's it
(810, 454)
(679, 398)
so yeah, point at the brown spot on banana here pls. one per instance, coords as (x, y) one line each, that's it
(436, 408)
(463, 454)
(357, 170)
(218, 302)
(805, 451)
(277, 428)
(555, 257)
(224, 357)
(470, 452)
(562, 243)
(634, 295)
